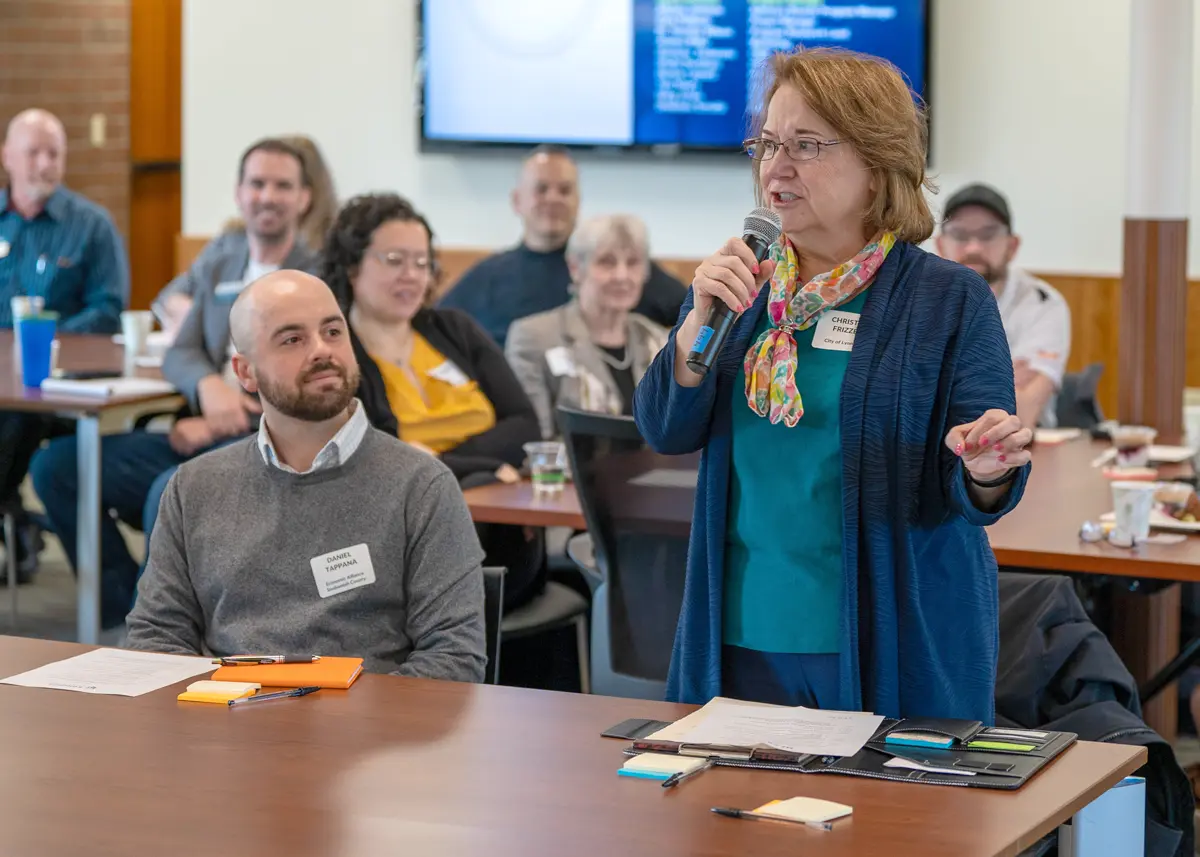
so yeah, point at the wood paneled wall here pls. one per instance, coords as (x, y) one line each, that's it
(1095, 302)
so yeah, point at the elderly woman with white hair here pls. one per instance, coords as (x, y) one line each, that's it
(590, 353)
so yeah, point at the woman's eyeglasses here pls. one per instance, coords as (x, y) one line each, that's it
(798, 148)
(397, 260)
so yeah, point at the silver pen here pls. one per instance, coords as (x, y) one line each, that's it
(263, 697)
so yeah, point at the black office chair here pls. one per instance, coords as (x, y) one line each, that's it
(1078, 405)
(637, 505)
(493, 614)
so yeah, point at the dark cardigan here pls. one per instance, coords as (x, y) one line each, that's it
(459, 339)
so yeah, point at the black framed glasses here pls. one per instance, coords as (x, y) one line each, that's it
(798, 148)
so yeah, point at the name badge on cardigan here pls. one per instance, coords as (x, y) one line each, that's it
(449, 373)
(836, 330)
(343, 570)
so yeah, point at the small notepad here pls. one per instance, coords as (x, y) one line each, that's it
(659, 766)
(218, 692)
(804, 810)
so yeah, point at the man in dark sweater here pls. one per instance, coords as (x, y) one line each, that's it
(533, 277)
(321, 534)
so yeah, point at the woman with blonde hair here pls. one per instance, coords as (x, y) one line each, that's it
(857, 427)
(590, 353)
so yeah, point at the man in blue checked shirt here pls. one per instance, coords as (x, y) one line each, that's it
(56, 245)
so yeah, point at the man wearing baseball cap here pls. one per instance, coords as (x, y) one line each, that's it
(977, 232)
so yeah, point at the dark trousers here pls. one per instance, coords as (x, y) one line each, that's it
(20, 436)
(134, 470)
(780, 679)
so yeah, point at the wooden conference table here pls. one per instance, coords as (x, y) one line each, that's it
(406, 766)
(1064, 490)
(92, 417)
(1041, 534)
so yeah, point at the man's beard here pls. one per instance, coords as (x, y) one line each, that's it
(995, 275)
(272, 236)
(291, 400)
(39, 191)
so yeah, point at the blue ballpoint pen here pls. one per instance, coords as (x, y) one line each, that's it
(283, 694)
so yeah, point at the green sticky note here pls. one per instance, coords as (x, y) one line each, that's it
(1001, 745)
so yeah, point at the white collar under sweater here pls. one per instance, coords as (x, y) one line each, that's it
(333, 454)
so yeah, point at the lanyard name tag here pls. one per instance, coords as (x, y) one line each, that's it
(229, 289)
(836, 331)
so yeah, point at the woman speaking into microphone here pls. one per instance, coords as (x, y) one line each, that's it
(857, 426)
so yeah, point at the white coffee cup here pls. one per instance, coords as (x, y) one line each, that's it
(135, 330)
(1132, 504)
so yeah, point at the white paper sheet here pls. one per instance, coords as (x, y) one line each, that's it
(113, 671)
(107, 388)
(667, 478)
(796, 730)
(910, 765)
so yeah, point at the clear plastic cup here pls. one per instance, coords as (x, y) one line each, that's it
(1132, 504)
(547, 466)
(22, 307)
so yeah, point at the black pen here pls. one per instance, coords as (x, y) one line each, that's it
(263, 697)
(751, 815)
(257, 660)
(678, 777)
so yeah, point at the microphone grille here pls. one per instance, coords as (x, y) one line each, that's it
(764, 223)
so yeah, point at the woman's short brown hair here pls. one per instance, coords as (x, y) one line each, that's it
(869, 105)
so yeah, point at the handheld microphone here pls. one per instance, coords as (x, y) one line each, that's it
(761, 228)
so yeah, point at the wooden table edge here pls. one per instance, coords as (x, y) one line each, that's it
(1120, 771)
(1124, 564)
(524, 517)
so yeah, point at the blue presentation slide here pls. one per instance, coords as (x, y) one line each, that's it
(633, 72)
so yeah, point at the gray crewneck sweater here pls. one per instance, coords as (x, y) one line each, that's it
(246, 558)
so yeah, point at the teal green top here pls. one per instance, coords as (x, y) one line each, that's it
(783, 544)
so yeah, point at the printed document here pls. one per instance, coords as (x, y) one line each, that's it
(798, 730)
(114, 671)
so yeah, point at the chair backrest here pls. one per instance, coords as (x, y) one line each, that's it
(638, 508)
(1077, 405)
(493, 614)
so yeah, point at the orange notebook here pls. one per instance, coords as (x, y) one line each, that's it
(327, 672)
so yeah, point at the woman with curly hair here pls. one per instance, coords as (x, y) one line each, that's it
(432, 377)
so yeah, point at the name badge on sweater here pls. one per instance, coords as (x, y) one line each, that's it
(343, 570)
(449, 373)
(836, 331)
(228, 289)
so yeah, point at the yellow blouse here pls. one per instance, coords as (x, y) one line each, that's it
(440, 407)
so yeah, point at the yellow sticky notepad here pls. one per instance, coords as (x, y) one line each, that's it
(218, 691)
(659, 766)
(803, 810)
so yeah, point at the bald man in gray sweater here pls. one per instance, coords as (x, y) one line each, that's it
(320, 535)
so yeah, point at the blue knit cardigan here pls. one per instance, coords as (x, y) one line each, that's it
(919, 626)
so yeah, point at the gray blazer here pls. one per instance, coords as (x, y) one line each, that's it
(213, 281)
(557, 364)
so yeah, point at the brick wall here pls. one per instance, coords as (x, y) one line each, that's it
(71, 57)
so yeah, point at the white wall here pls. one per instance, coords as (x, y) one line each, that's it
(1027, 94)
